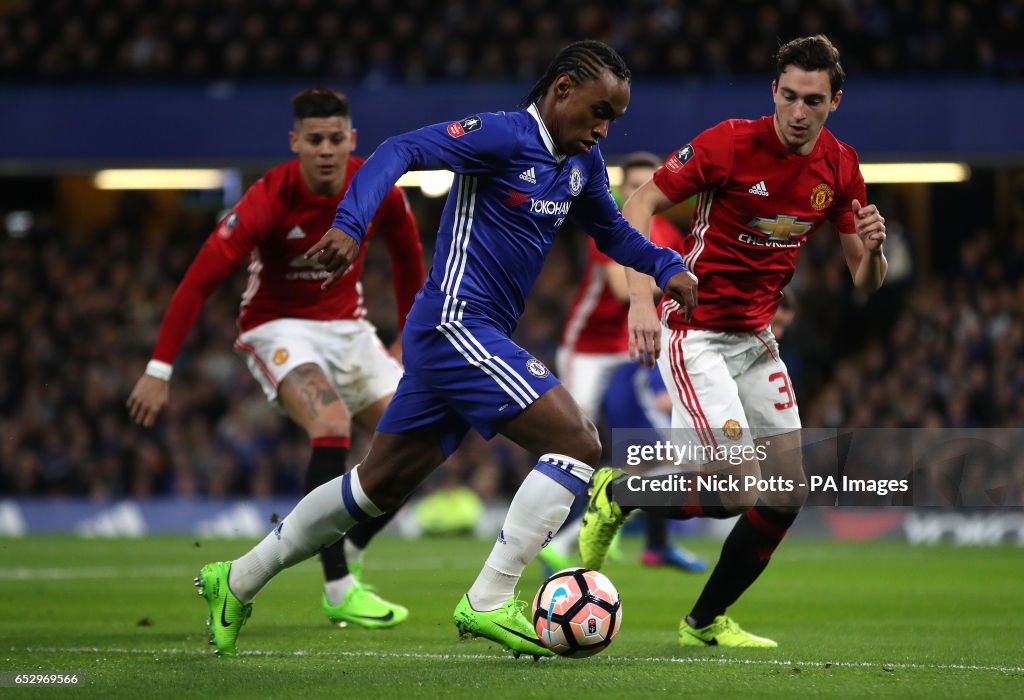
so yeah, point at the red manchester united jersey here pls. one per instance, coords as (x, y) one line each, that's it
(597, 319)
(273, 225)
(756, 205)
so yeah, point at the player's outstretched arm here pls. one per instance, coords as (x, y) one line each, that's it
(644, 323)
(476, 146)
(863, 251)
(225, 248)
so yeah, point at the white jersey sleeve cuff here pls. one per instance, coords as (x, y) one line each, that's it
(160, 370)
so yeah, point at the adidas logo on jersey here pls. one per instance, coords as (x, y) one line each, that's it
(759, 188)
(530, 176)
(296, 232)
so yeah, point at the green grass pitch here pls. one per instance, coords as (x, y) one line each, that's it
(851, 619)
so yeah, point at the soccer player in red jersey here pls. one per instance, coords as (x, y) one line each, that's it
(763, 187)
(312, 351)
(595, 340)
(594, 344)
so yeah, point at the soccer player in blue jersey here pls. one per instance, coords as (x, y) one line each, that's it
(519, 176)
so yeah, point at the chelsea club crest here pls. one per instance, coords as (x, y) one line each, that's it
(576, 181)
(537, 368)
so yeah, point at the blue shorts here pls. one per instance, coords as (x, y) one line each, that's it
(462, 374)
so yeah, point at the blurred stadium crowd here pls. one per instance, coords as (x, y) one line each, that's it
(79, 316)
(397, 41)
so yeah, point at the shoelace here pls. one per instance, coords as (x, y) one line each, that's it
(519, 605)
(730, 625)
(370, 592)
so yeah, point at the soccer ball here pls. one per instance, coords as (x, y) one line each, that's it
(577, 612)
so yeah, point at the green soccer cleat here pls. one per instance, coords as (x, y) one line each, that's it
(362, 606)
(227, 613)
(508, 626)
(723, 632)
(601, 520)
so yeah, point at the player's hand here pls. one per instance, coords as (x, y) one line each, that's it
(682, 288)
(870, 226)
(147, 399)
(336, 251)
(644, 332)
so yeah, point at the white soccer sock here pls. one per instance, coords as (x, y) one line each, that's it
(567, 538)
(336, 589)
(353, 554)
(319, 519)
(537, 511)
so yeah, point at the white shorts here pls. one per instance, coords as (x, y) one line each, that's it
(586, 375)
(348, 351)
(727, 389)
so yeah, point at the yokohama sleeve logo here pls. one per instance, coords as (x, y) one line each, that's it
(461, 128)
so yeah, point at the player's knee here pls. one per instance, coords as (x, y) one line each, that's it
(335, 426)
(799, 496)
(575, 437)
(383, 493)
(587, 443)
(789, 498)
(741, 500)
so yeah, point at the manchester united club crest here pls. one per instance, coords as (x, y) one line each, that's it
(732, 429)
(576, 181)
(821, 196)
(280, 356)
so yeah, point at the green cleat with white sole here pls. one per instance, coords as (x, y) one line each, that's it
(723, 632)
(227, 613)
(363, 607)
(508, 626)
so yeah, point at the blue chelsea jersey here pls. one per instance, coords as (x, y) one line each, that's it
(511, 194)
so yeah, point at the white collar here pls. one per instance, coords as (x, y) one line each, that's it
(545, 135)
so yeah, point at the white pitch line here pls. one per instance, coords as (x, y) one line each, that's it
(488, 657)
(29, 573)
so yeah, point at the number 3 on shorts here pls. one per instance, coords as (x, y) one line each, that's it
(786, 390)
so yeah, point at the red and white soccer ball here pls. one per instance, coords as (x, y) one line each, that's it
(577, 612)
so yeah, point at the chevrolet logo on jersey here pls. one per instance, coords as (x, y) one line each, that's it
(781, 228)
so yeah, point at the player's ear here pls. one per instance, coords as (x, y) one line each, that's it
(835, 101)
(775, 88)
(293, 141)
(352, 138)
(562, 86)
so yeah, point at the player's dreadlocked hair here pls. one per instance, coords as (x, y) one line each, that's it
(319, 102)
(582, 61)
(811, 53)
